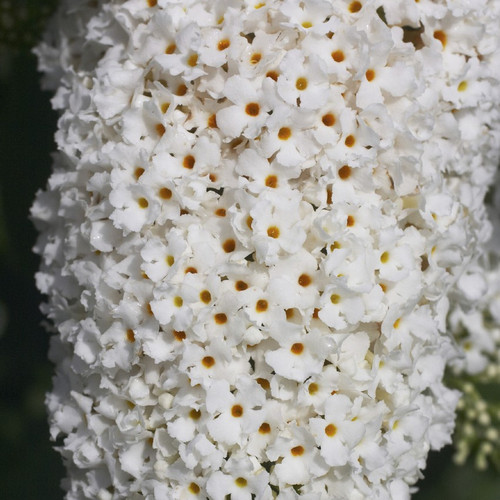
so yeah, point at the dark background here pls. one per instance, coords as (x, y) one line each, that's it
(29, 468)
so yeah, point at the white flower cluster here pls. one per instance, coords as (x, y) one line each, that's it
(474, 320)
(256, 214)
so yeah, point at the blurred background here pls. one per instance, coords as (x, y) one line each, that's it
(29, 468)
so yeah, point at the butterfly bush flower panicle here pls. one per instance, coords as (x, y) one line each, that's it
(264, 220)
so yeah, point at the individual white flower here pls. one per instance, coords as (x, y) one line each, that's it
(338, 432)
(269, 429)
(257, 59)
(234, 416)
(301, 81)
(134, 207)
(119, 348)
(118, 87)
(315, 391)
(161, 260)
(186, 423)
(242, 480)
(340, 307)
(205, 365)
(300, 459)
(262, 174)
(299, 356)
(171, 306)
(311, 17)
(288, 136)
(294, 282)
(277, 224)
(220, 46)
(248, 114)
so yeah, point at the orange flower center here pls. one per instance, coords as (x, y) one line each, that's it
(328, 120)
(350, 140)
(301, 83)
(264, 383)
(284, 133)
(194, 488)
(205, 296)
(220, 318)
(334, 298)
(265, 428)
(441, 36)
(179, 335)
(208, 361)
(330, 430)
(160, 129)
(223, 44)
(237, 411)
(212, 121)
(170, 49)
(261, 305)
(345, 172)
(188, 162)
(271, 181)
(355, 7)
(255, 58)
(241, 482)
(240, 286)
(338, 56)
(195, 414)
(313, 388)
(252, 109)
(304, 280)
(273, 232)
(165, 193)
(273, 75)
